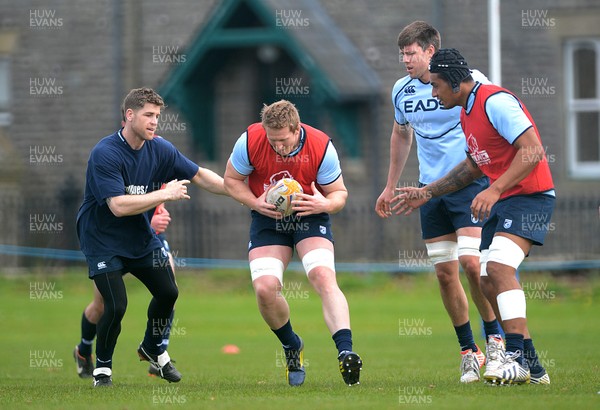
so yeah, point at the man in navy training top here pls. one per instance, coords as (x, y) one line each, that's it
(124, 174)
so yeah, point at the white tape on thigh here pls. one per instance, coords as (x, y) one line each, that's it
(468, 245)
(483, 262)
(266, 267)
(443, 251)
(318, 257)
(511, 304)
(506, 252)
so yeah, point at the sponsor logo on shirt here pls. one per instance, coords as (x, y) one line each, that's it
(136, 189)
(102, 265)
(410, 89)
(480, 157)
(430, 104)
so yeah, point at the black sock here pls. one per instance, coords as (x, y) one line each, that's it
(491, 328)
(88, 333)
(465, 337)
(343, 340)
(514, 344)
(531, 356)
(287, 337)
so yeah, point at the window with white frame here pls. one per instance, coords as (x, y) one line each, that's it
(582, 69)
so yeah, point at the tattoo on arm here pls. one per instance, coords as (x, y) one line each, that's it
(459, 177)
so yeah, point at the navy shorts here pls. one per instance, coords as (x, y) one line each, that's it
(445, 214)
(97, 265)
(288, 231)
(527, 216)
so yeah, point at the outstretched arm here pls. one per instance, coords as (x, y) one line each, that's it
(210, 181)
(410, 198)
(127, 205)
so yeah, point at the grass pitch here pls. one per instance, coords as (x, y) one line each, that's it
(400, 329)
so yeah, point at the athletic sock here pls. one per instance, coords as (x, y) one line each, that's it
(465, 337)
(287, 337)
(88, 333)
(343, 340)
(514, 344)
(531, 356)
(491, 328)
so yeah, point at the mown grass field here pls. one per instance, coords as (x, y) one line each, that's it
(400, 329)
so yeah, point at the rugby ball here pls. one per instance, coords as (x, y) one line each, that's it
(282, 193)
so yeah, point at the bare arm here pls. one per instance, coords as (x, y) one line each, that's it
(459, 177)
(210, 181)
(400, 144)
(331, 201)
(410, 198)
(529, 153)
(127, 205)
(236, 187)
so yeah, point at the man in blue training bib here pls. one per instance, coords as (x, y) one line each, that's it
(123, 179)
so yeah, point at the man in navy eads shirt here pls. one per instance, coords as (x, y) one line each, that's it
(124, 175)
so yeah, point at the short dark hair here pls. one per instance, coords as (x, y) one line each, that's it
(420, 32)
(138, 97)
